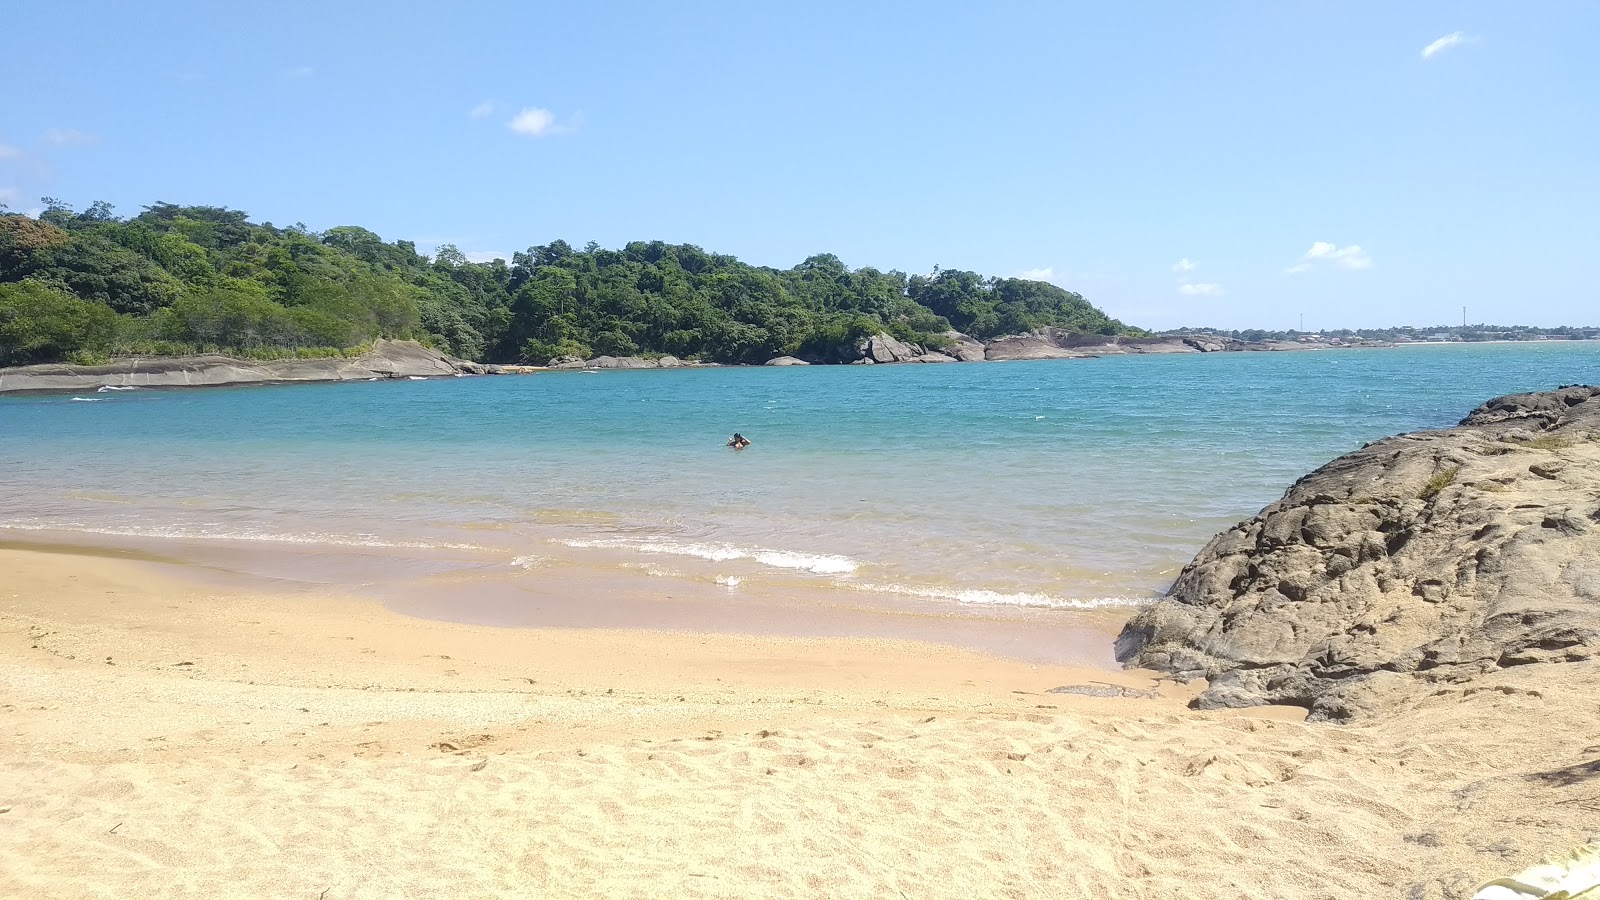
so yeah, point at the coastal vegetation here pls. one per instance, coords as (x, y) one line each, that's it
(173, 280)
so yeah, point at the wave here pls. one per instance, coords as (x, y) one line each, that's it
(185, 532)
(984, 597)
(107, 388)
(820, 564)
(87, 399)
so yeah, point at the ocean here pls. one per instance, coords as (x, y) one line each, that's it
(953, 492)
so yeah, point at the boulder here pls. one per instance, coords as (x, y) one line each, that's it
(670, 362)
(933, 356)
(621, 362)
(1206, 344)
(787, 361)
(1420, 558)
(567, 362)
(964, 348)
(882, 348)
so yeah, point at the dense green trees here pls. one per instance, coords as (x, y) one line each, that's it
(180, 279)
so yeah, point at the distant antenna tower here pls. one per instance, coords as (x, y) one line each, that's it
(1463, 317)
(1302, 321)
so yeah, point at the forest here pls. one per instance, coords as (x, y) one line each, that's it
(88, 286)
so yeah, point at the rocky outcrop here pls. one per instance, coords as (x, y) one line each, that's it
(1424, 557)
(386, 359)
(964, 348)
(1045, 343)
(881, 348)
(787, 361)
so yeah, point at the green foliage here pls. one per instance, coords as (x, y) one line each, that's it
(42, 323)
(201, 278)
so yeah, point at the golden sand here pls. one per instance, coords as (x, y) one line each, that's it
(165, 739)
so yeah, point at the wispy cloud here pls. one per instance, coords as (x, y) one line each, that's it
(1453, 39)
(483, 256)
(536, 121)
(1048, 273)
(9, 152)
(64, 137)
(9, 195)
(1183, 266)
(300, 72)
(482, 110)
(1351, 257)
(1202, 289)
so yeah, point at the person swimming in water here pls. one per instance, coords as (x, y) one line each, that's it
(738, 441)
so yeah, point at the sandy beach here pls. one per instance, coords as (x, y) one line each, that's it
(165, 737)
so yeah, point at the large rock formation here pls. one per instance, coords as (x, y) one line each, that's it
(1429, 556)
(386, 359)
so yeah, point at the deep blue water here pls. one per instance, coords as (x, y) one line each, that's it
(1046, 483)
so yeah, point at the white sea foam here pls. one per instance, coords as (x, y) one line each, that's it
(529, 562)
(106, 388)
(87, 399)
(1000, 598)
(821, 564)
(729, 580)
(207, 533)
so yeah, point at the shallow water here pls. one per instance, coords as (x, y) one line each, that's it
(1051, 485)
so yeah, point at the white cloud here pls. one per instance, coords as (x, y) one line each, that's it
(63, 137)
(533, 121)
(300, 72)
(486, 108)
(1204, 289)
(1183, 265)
(8, 196)
(1048, 273)
(1452, 39)
(483, 256)
(9, 152)
(1351, 257)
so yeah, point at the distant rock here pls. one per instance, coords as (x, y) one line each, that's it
(1424, 557)
(787, 361)
(1207, 344)
(933, 356)
(882, 348)
(386, 359)
(964, 348)
(1046, 343)
(567, 362)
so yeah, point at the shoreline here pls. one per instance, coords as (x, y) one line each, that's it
(173, 738)
(456, 588)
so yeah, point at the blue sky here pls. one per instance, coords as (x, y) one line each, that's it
(1228, 164)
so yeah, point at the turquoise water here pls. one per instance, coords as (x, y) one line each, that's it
(1055, 484)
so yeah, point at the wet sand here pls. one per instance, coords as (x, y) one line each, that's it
(168, 737)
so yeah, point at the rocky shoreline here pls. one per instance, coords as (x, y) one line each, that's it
(409, 359)
(1418, 561)
(1044, 343)
(386, 360)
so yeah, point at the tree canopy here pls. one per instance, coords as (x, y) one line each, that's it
(85, 286)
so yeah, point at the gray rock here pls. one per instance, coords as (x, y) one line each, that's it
(1036, 345)
(621, 362)
(882, 348)
(933, 356)
(964, 348)
(386, 359)
(1418, 558)
(566, 362)
(787, 361)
